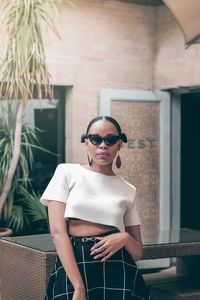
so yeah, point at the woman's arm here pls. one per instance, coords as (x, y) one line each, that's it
(133, 241)
(59, 233)
(108, 245)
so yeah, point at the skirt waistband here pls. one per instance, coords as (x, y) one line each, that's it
(91, 238)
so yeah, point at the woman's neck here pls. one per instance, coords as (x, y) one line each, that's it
(107, 170)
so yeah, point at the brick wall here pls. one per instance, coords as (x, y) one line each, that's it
(104, 44)
(114, 44)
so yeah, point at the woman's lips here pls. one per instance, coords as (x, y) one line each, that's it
(103, 154)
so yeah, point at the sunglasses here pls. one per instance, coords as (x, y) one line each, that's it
(109, 140)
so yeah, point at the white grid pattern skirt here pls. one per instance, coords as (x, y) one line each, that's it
(118, 278)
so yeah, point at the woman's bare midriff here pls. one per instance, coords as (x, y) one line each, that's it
(85, 228)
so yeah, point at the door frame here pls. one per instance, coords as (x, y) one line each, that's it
(176, 95)
(106, 98)
(163, 97)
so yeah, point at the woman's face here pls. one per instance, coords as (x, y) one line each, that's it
(103, 154)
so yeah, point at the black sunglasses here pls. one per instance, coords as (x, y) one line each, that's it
(109, 140)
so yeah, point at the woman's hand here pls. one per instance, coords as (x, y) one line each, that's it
(79, 294)
(108, 245)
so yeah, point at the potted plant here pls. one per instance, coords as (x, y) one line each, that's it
(22, 212)
(23, 72)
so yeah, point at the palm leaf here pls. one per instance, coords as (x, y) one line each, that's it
(16, 220)
(23, 66)
(32, 206)
(23, 72)
(29, 142)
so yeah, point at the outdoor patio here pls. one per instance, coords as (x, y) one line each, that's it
(126, 59)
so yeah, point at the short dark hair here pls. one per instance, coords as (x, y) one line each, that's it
(122, 135)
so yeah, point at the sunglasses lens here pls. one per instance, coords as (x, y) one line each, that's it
(111, 140)
(95, 139)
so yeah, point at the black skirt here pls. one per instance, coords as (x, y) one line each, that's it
(118, 278)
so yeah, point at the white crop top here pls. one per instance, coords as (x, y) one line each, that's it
(92, 196)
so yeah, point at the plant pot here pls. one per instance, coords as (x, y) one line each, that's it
(5, 232)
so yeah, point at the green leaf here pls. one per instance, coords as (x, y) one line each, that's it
(32, 206)
(16, 220)
(24, 65)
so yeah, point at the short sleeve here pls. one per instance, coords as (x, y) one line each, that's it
(57, 189)
(132, 217)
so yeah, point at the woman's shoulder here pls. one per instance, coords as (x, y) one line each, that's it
(68, 166)
(129, 186)
(68, 172)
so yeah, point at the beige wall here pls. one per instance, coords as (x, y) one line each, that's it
(104, 44)
(114, 44)
(174, 65)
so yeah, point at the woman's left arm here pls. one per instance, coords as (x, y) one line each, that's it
(133, 241)
(108, 245)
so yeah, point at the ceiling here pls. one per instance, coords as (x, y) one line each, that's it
(146, 2)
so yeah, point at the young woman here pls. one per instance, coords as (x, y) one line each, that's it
(94, 223)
